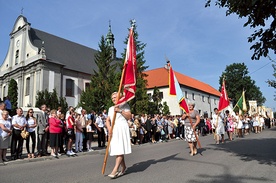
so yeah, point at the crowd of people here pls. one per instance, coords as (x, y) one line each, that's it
(74, 131)
(49, 128)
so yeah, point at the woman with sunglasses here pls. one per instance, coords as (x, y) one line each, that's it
(31, 125)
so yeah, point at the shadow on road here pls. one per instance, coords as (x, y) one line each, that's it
(227, 176)
(261, 150)
(142, 166)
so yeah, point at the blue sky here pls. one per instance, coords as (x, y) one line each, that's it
(199, 41)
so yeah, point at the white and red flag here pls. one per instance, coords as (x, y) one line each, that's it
(223, 100)
(129, 71)
(175, 89)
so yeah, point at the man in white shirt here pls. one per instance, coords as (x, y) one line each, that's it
(100, 129)
(19, 123)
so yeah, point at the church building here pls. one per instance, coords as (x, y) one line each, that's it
(39, 61)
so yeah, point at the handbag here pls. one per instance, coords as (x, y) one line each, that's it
(70, 131)
(24, 134)
(144, 130)
(163, 132)
(133, 133)
(158, 129)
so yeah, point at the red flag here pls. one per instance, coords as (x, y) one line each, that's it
(129, 71)
(175, 89)
(223, 101)
(171, 82)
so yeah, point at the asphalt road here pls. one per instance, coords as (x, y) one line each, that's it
(249, 159)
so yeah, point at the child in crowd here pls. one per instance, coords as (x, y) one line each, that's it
(89, 135)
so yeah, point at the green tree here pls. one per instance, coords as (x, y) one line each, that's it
(272, 82)
(156, 106)
(51, 99)
(140, 103)
(41, 98)
(13, 95)
(103, 80)
(237, 79)
(259, 14)
(54, 100)
(165, 108)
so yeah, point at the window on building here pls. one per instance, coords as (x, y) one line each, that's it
(149, 95)
(69, 87)
(209, 100)
(186, 95)
(161, 95)
(203, 98)
(193, 96)
(27, 91)
(4, 91)
(215, 101)
(16, 57)
(87, 85)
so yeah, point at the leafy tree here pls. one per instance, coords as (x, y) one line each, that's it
(103, 81)
(165, 108)
(237, 79)
(272, 82)
(42, 97)
(152, 108)
(54, 102)
(140, 103)
(259, 14)
(63, 104)
(157, 106)
(13, 95)
(51, 100)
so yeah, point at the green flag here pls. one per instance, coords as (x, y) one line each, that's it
(242, 103)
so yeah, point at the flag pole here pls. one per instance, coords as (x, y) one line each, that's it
(114, 116)
(190, 119)
(112, 123)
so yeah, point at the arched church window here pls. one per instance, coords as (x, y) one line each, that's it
(16, 57)
(69, 87)
(27, 91)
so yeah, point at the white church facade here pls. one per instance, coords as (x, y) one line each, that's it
(39, 61)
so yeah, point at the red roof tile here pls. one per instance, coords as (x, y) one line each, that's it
(160, 78)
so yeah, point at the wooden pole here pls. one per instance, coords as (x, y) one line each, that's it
(113, 121)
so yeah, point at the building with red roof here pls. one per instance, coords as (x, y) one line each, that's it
(204, 96)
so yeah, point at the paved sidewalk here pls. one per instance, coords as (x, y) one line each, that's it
(97, 150)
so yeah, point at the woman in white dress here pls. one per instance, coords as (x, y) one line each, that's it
(240, 126)
(5, 133)
(120, 137)
(219, 124)
(255, 123)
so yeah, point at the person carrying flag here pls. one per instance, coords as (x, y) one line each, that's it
(120, 143)
(191, 115)
(219, 125)
(218, 117)
(190, 127)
